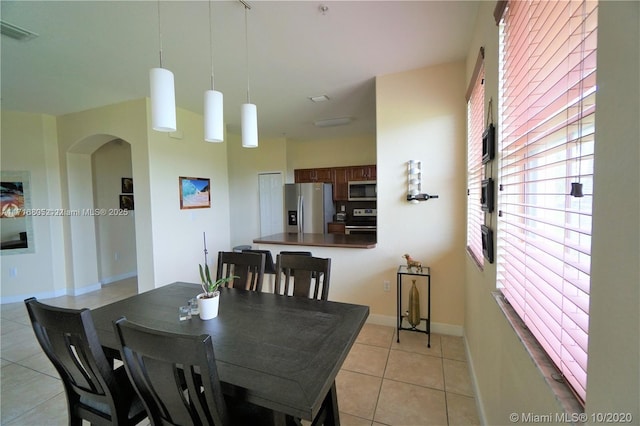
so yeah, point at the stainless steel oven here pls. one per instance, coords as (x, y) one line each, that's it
(360, 230)
(363, 221)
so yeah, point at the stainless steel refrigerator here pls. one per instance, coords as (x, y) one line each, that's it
(308, 207)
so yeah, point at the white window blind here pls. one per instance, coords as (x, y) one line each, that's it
(475, 128)
(547, 110)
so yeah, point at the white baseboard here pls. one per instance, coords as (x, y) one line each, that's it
(436, 327)
(52, 294)
(474, 384)
(120, 277)
(41, 295)
(84, 290)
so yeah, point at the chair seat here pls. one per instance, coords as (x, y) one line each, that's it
(135, 411)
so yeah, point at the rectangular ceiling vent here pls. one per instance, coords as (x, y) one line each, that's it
(15, 32)
(333, 122)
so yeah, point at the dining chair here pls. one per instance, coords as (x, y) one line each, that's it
(95, 391)
(248, 268)
(269, 264)
(177, 379)
(308, 275)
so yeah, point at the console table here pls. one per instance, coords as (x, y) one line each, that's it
(424, 272)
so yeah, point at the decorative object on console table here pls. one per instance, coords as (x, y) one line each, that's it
(413, 314)
(412, 263)
(425, 272)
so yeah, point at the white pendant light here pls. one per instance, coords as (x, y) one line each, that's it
(163, 100)
(213, 103)
(213, 116)
(163, 96)
(249, 112)
(249, 118)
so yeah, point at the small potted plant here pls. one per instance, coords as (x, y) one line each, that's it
(209, 299)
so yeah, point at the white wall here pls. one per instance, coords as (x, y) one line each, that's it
(505, 377)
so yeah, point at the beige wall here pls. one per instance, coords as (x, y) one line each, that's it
(28, 144)
(116, 234)
(244, 166)
(178, 234)
(80, 134)
(506, 379)
(338, 152)
(614, 336)
(421, 115)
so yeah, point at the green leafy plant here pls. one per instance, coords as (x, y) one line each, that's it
(209, 287)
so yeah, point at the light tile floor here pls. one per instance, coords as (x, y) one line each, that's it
(382, 382)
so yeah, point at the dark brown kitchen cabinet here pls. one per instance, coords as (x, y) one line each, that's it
(336, 227)
(340, 186)
(313, 175)
(338, 176)
(362, 172)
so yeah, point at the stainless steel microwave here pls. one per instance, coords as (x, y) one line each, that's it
(365, 190)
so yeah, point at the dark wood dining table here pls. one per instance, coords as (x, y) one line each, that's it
(279, 352)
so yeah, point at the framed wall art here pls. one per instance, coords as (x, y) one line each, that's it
(487, 242)
(16, 213)
(126, 202)
(127, 185)
(194, 193)
(487, 195)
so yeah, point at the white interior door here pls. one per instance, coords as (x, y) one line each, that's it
(271, 203)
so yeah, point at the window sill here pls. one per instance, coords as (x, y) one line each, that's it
(474, 258)
(561, 390)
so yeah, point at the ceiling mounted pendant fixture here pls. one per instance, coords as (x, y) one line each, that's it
(249, 113)
(213, 103)
(163, 97)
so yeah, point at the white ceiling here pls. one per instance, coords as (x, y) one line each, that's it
(94, 53)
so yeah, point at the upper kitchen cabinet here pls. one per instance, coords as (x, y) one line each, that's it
(340, 185)
(362, 172)
(314, 175)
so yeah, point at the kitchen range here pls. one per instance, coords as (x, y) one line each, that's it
(362, 221)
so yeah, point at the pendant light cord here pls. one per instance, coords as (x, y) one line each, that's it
(246, 41)
(159, 35)
(211, 43)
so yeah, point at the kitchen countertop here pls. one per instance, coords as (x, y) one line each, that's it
(322, 240)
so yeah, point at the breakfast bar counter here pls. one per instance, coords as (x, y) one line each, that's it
(361, 241)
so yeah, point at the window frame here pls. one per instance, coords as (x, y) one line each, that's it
(475, 167)
(541, 295)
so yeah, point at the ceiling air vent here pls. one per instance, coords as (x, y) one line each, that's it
(16, 32)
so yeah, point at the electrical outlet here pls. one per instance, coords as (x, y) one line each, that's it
(13, 272)
(386, 285)
(116, 256)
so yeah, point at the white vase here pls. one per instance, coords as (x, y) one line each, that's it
(208, 306)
